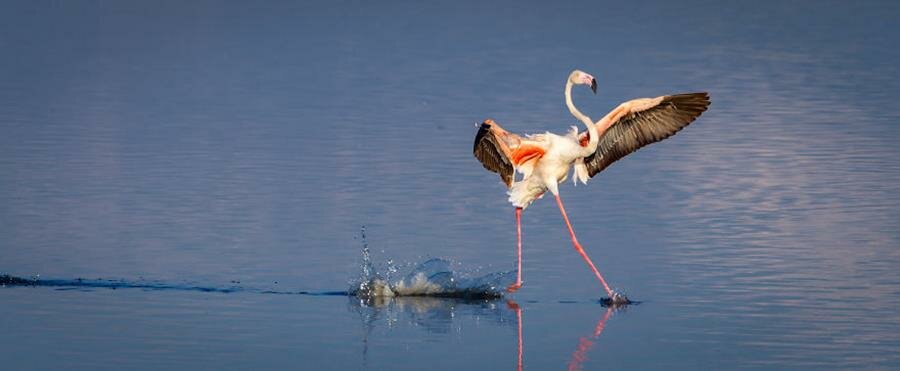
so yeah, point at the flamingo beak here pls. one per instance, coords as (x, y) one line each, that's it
(594, 85)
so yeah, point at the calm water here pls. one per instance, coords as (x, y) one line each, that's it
(227, 143)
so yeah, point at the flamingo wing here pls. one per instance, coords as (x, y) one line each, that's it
(494, 147)
(639, 122)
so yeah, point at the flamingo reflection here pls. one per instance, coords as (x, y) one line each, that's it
(437, 314)
(585, 343)
(516, 308)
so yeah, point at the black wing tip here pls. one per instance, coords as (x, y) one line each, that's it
(485, 126)
(693, 102)
(486, 151)
(483, 130)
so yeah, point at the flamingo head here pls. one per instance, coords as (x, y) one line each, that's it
(578, 77)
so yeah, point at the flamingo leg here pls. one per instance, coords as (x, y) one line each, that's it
(580, 250)
(518, 284)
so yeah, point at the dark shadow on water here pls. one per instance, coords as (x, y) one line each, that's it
(100, 283)
(85, 284)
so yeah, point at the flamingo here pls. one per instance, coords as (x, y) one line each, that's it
(543, 160)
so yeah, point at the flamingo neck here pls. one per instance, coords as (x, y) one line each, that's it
(575, 112)
(594, 138)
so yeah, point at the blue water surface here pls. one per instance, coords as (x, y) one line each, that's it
(226, 144)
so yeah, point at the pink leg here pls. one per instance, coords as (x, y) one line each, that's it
(518, 284)
(581, 250)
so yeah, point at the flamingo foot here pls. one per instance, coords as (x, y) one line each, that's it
(514, 287)
(616, 299)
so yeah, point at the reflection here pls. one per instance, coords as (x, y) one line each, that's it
(515, 307)
(438, 315)
(434, 314)
(585, 344)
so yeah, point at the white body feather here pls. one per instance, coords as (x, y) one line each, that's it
(562, 151)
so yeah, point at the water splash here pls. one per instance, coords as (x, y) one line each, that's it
(617, 299)
(433, 277)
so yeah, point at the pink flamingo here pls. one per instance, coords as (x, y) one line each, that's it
(543, 160)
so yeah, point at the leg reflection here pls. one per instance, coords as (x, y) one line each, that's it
(515, 307)
(585, 344)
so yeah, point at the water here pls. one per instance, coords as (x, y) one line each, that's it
(201, 144)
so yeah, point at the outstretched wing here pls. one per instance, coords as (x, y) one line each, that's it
(639, 122)
(494, 148)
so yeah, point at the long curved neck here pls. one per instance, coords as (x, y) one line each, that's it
(575, 112)
(594, 138)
